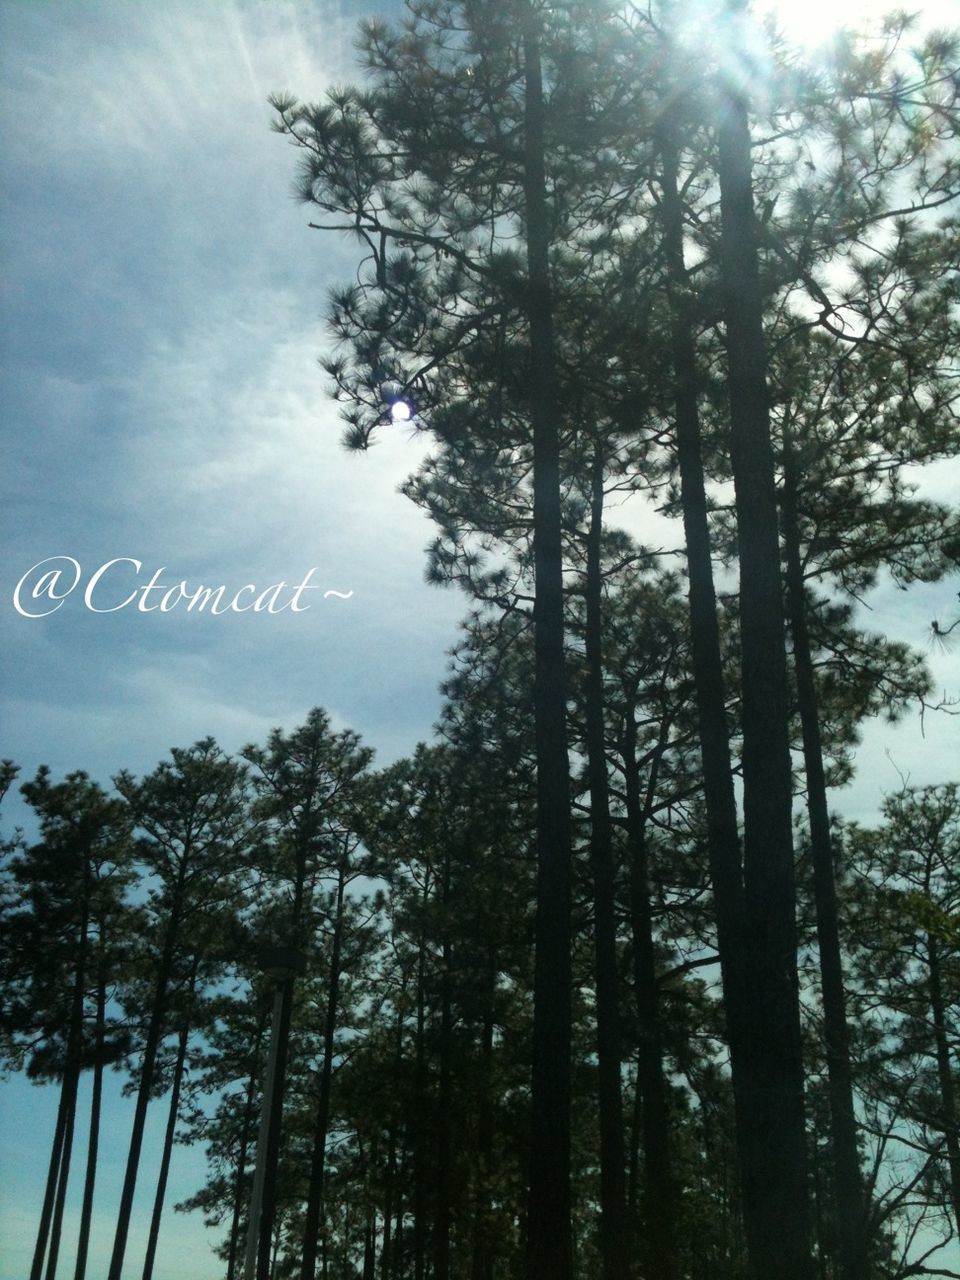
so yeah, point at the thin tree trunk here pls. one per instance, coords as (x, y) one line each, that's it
(823, 1253)
(420, 1087)
(53, 1174)
(399, 1247)
(386, 1246)
(154, 1035)
(266, 1245)
(612, 1157)
(172, 1117)
(240, 1194)
(386, 1249)
(633, 1168)
(482, 1262)
(659, 1182)
(849, 1190)
(370, 1247)
(322, 1121)
(71, 1073)
(549, 1244)
(442, 1220)
(776, 1208)
(56, 1227)
(948, 1103)
(93, 1142)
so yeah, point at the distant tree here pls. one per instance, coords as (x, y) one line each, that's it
(905, 896)
(8, 774)
(193, 825)
(650, 739)
(303, 784)
(66, 938)
(229, 1070)
(349, 945)
(192, 1007)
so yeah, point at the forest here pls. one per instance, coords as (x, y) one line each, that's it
(597, 984)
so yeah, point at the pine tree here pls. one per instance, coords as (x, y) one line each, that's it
(194, 828)
(905, 944)
(65, 938)
(303, 784)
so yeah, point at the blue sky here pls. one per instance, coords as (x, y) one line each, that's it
(163, 402)
(162, 316)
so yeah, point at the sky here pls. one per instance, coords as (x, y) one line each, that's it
(162, 315)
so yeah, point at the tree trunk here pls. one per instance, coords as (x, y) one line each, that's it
(93, 1143)
(849, 1191)
(483, 1255)
(549, 1244)
(386, 1248)
(390, 1178)
(420, 1105)
(660, 1207)
(774, 1156)
(723, 839)
(612, 1185)
(267, 1238)
(442, 1219)
(53, 1174)
(765, 1061)
(71, 1077)
(154, 1035)
(370, 1247)
(948, 1103)
(322, 1122)
(240, 1193)
(399, 1247)
(266, 1245)
(172, 1117)
(71, 1081)
(633, 1166)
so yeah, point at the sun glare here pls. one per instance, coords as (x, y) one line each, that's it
(811, 22)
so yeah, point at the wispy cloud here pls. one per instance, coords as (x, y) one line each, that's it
(166, 315)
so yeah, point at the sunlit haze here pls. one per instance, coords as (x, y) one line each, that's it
(811, 22)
